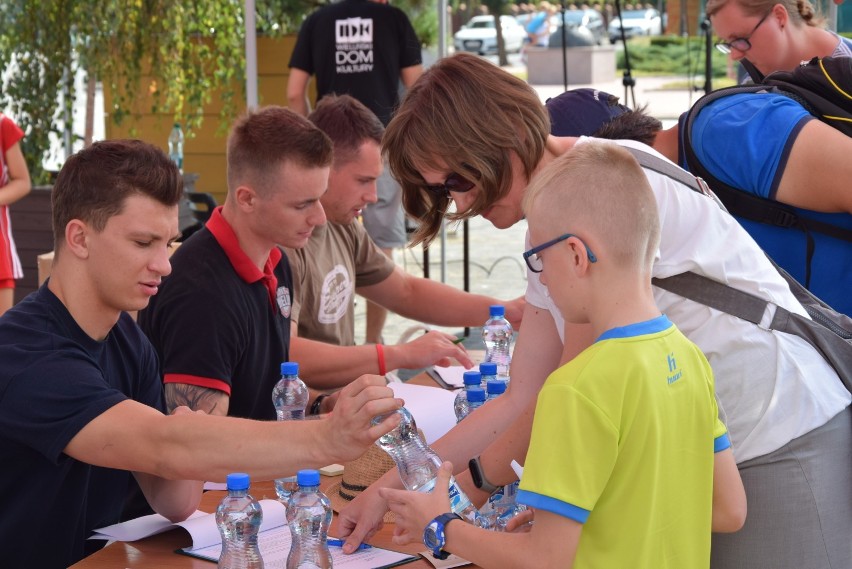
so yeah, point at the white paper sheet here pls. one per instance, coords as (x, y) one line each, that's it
(432, 408)
(273, 539)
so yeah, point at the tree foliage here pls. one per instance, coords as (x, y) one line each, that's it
(185, 49)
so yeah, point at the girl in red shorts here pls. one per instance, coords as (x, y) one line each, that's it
(14, 184)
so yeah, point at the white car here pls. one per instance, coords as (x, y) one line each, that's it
(636, 23)
(480, 36)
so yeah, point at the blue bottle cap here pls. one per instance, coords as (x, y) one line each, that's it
(476, 394)
(472, 377)
(488, 368)
(497, 310)
(495, 386)
(290, 368)
(238, 481)
(308, 477)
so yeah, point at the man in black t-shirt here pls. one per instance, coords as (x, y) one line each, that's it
(362, 48)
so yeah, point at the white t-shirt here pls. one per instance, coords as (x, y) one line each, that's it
(772, 387)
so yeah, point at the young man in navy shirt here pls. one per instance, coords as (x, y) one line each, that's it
(81, 400)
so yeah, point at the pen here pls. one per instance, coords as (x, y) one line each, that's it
(458, 340)
(339, 543)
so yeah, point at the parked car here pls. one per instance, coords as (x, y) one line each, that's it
(480, 36)
(582, 27)
(636, 23)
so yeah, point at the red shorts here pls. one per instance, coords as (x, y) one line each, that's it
(10, 264)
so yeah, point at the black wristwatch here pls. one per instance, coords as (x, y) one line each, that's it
(478, 475)
(434, 536)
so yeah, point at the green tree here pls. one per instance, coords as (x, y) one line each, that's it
(189, 49)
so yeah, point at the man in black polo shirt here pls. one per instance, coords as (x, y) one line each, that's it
(221, 322)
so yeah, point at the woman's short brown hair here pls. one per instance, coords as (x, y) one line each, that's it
(467, 115)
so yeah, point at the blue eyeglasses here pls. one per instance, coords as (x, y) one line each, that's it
(533, 259)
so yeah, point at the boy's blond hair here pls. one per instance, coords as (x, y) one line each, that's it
(598, 191)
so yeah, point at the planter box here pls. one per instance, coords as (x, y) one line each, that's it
(586, 65)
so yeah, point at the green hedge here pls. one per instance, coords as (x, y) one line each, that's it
(668, 55)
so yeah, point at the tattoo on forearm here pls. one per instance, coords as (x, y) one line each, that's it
(192, 396)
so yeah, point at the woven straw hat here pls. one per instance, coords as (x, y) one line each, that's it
(359, 474)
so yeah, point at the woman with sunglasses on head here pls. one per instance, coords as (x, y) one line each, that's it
(470, 134)
(773, 35)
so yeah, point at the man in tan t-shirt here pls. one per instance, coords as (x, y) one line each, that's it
(340, 259)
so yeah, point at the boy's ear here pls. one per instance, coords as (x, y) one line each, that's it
(579, 258)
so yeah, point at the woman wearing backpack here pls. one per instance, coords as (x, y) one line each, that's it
(773, 35)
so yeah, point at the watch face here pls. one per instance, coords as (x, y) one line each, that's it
(430, 536)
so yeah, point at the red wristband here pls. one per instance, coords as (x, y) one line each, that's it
(380, 355)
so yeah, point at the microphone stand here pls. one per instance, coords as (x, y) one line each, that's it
(708, 55)
(628, 81)
(564, 49)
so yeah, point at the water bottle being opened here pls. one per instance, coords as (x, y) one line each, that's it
(176, 145)
(497, 337)
(471, 378)
(309, 517)
(238, 518)
(475, 399)
(290, 397)
(418, 464)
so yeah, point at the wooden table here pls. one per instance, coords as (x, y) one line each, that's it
(158, 551)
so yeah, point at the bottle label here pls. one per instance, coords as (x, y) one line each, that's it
(459, 502)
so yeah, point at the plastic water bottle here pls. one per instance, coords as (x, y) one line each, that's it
(238, 517)
(418, 464)
(501, 507)
(494, 388)
(488, 371)
(290, 397)
(475, 399)
(470, 378)
(176, 145)
(309, 517)
(497, 336)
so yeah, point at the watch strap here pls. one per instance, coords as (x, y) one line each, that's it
(478, 476)
(440, 523)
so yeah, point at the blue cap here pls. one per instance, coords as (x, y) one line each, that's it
(308, 477)
(488, 368)
(581, 112)
(290, 368)
(238, 481)
(495, 386)
(472, 377)
(476, 394)
(497, 310)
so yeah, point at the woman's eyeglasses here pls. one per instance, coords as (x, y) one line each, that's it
(740, 44)
(533, 259)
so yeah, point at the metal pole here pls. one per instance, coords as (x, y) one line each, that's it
(251, 55)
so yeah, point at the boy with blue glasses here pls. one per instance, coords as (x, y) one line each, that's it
(628, 464)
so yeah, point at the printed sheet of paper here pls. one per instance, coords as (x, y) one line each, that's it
(273, 539)
(432, 408)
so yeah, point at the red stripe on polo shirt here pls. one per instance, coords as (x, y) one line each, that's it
(245, 268)
(216, 384)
